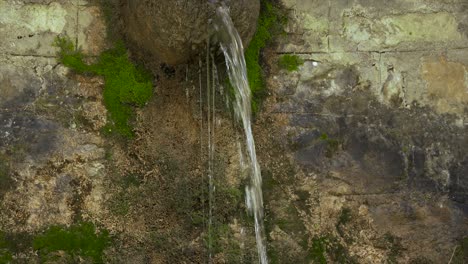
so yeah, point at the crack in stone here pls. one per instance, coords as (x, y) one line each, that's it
(369, 51)
(28, 55)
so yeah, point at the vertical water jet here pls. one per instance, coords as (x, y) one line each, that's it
(231, 45)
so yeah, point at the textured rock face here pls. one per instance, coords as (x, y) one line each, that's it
(175, 30)
(362, 150)
(376, 122)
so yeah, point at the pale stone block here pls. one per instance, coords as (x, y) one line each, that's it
(432, 79)
(30, 29)
(389, 26)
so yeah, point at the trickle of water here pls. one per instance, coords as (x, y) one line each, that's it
(231, 45)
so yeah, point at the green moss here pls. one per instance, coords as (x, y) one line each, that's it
(345, 216)
(5, 257)
(3, 242)
(324, 137)
(126, 85)
(394, 246)
(131, 180)
(109, 155)
(268, 23)
(12, 244)
(290, 62)
(318, 250)
(273, 256)
(329, 248)
(221, 239)
(291, 223)
(343, 219)
(120, 204)
(5, 179)
(5, 254)
(461, 252)
(333, 145)
(77, 240)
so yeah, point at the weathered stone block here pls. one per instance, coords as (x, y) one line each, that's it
(307, 28)
(398, 32)
(361, 25)
(446, 85)
(91, 30)
(432, 79)
(400, 77)
(19, 81)
(30, 28)
(338, 72)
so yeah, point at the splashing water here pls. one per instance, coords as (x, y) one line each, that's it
(231, 45)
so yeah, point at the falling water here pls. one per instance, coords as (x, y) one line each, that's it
(233, 50)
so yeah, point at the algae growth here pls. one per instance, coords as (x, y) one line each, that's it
(126, 85)
(269, 21)
(5, 254)
(290, 62)
(78, 240)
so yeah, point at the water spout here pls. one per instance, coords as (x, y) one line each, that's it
(231, 45)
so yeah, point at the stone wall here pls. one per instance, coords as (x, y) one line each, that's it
(415, 50)
(58, 168)
(53, 159)
(377, 121)
(364, 147)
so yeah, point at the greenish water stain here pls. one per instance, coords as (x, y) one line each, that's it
(126, 85)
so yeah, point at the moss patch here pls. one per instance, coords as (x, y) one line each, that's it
(333, 145)
(343, 219)
(5, 254)
(78, 240)
(269, 22)
(290, 62)
(126, 85)
(393, 246)
(5, 179)
(318, 250)
(461, 252)
(328, 247)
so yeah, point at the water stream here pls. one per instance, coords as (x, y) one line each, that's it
(231, 45)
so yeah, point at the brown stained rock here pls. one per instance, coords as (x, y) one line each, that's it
(92, 30)
(59, 189)
(176, 30)
(446, 84)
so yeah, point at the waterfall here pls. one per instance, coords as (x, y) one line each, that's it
(231, 45)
